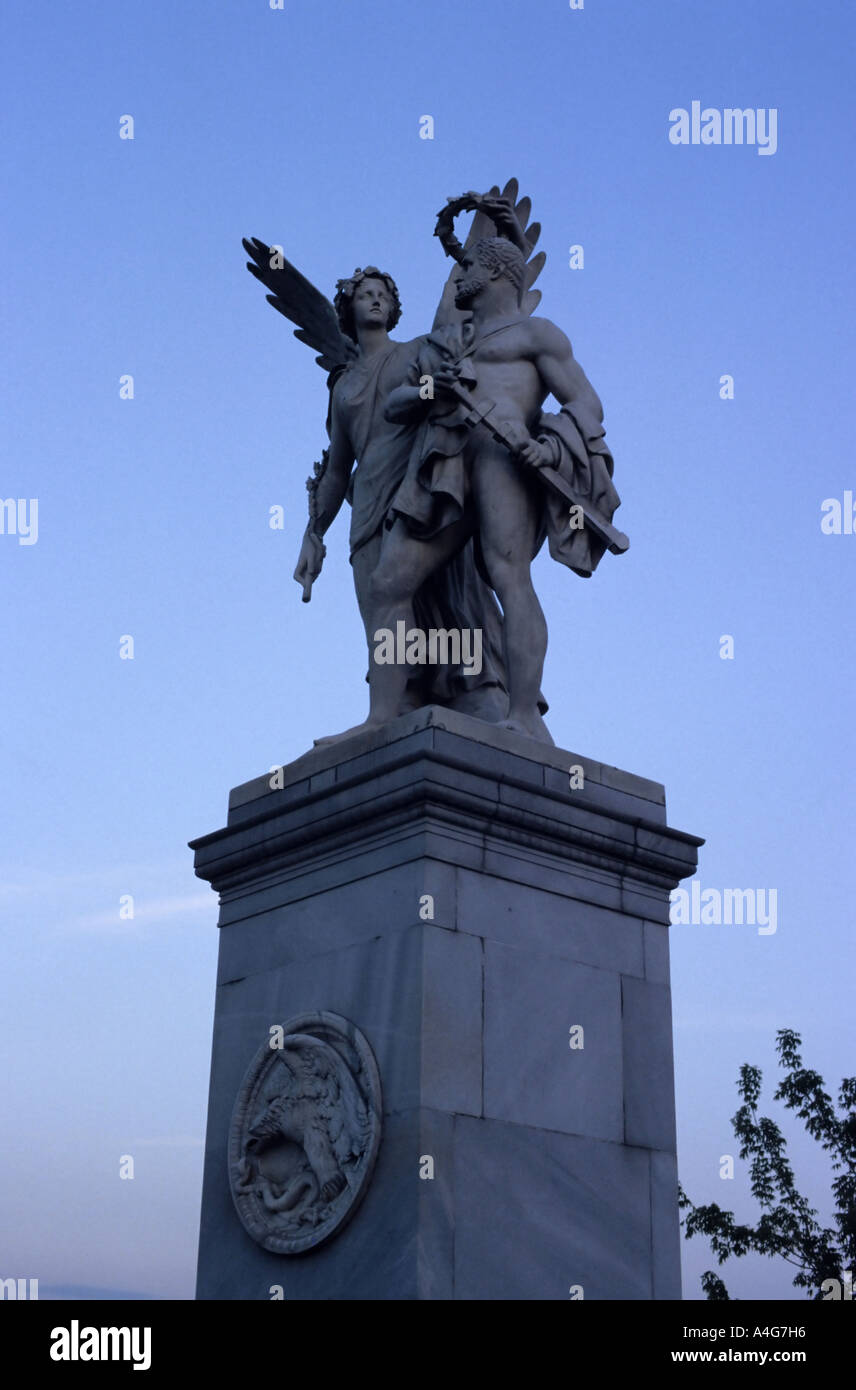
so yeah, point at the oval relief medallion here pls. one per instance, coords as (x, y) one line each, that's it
(305, 1132)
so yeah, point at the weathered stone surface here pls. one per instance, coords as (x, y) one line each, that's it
(649, 1090)
(665, 1228)
(532, 1075)
(555, 923)
(538, 1213)
(546, 765)
(452, 1021)
(656, 937)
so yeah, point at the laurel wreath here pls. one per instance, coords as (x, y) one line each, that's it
(445, 225)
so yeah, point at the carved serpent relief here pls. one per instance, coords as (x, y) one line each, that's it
(305, 1132)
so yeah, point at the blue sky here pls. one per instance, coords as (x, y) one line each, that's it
(301, 127)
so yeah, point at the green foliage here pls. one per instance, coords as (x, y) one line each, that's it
(714, 1287)
(788, 1226)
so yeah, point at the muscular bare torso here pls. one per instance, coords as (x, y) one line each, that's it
(505, 365)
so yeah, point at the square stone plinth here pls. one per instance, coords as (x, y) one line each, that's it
(501, 942)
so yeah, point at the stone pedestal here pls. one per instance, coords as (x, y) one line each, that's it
(501, 942)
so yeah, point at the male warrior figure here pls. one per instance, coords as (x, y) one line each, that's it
(462, 482)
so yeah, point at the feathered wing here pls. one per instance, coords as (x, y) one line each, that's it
(348, 1118)
(298, 300)
(482, 226)
(339, 1103)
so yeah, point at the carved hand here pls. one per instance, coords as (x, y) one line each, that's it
(309, 562)
(526, 449)
(502, 214)
(446, 378)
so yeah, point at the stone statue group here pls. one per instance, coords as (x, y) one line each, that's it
(454, 472)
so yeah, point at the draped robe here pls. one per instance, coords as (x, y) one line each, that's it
(456, 595)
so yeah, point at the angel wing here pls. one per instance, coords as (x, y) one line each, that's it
(299, 301)
(483, 226)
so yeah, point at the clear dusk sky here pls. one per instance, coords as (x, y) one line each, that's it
(301, 126)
